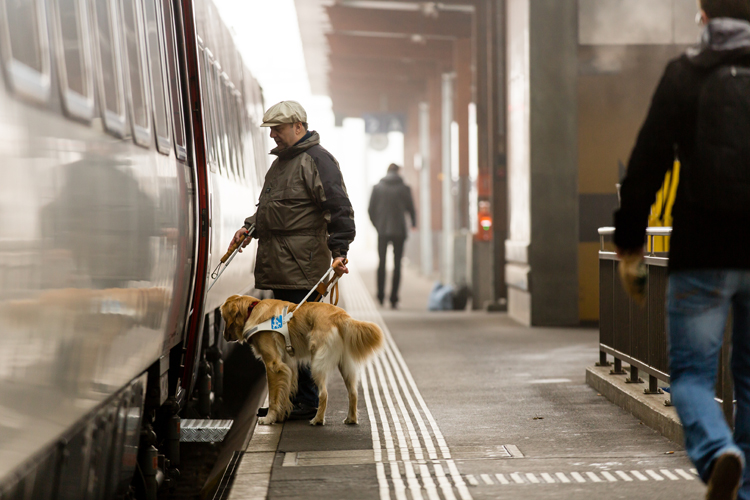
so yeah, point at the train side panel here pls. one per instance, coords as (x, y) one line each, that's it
(129, 155)
(96, 234)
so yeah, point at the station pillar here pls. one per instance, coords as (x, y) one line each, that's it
(541, 250)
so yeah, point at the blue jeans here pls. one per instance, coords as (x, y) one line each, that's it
(307, 391)
(698, 304)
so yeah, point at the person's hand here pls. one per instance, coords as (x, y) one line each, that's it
(630, 254)
(633, 273)
(339, 266)
(238, 236)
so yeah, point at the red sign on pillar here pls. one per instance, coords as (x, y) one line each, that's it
(484, 232)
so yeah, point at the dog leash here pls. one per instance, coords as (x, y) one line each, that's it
(227, 258)
(327, 283)
(280, 323)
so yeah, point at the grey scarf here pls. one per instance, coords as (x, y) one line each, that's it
(723, 37)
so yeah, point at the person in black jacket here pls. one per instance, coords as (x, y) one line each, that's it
(700, 115)
(390, 202)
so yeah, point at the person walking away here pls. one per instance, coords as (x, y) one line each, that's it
(390, 201)
(303, 220)
(700, 115)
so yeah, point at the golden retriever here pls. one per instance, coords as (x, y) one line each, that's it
(322, 334)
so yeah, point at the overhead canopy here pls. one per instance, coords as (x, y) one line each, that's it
(419, 66)
(380, 54)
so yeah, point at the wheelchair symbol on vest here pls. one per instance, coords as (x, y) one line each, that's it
(276, 322)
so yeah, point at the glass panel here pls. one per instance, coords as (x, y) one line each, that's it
(232, 130)
(228, 147)
(241, 137)
(216, 114)
(212, 111)
(73, 55)
(174, 75)
(23, 31)
(207, 127)
(233, 106)
(110, 72)
(133, 48)
(155, 45)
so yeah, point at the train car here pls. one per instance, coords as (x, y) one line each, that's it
(129, 154)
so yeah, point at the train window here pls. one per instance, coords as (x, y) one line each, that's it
(237, 119)
(229, 112)
(205, 64)
(227, 121)
(71, 35)
(218, 117)
(240, 132)
(261, 164)
(155, 45)
(135, 70)
(236, 106)
(24, 48)
(245, 146)
(109, 76)
(178, 120)
(221, 100)
(232, 129)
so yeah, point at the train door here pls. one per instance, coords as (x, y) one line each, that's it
(201, 141)
(186, 232)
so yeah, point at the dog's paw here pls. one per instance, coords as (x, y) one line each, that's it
(318, 421)
(351, 421)
(266, 420)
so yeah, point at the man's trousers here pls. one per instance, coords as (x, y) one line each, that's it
(398, 253)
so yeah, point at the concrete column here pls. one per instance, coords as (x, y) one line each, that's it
(483, 285)
(446, 254)
(542, 244)
(499, 204)
(462, 63)
(412, 155)
(425, 213)
(435, 99)
(463, 89)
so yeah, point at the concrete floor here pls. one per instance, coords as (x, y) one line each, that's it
(511, 403)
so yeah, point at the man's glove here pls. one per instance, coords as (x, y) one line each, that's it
(634, 276)
(339, 266)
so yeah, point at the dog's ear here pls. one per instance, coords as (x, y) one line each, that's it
(233, 307)
(234, 312)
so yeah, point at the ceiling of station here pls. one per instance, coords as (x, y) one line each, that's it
(313, 24)
(374, 56)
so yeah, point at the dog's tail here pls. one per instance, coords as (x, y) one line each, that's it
(362, 339)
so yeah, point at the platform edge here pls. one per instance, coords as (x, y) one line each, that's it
(649, 409)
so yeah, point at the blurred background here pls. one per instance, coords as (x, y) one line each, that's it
(281, 69)
(544, 106)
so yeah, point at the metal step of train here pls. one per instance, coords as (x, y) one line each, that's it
(204, 431)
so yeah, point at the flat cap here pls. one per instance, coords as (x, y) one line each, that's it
(284, 112)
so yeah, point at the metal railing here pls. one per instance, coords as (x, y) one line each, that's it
(637, 334)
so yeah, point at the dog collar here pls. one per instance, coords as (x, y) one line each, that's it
(250, 310)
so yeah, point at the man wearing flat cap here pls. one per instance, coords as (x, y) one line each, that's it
(303, 221)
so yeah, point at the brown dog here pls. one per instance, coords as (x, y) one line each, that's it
(322, 334)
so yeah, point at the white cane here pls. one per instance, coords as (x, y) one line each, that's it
(227, 258)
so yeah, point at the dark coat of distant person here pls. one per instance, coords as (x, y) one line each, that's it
(391, 200)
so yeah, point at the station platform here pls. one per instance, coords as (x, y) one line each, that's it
(464, 405)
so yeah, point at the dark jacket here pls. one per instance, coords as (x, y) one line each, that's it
(701, 238)
(304, 217)
(390, 202)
